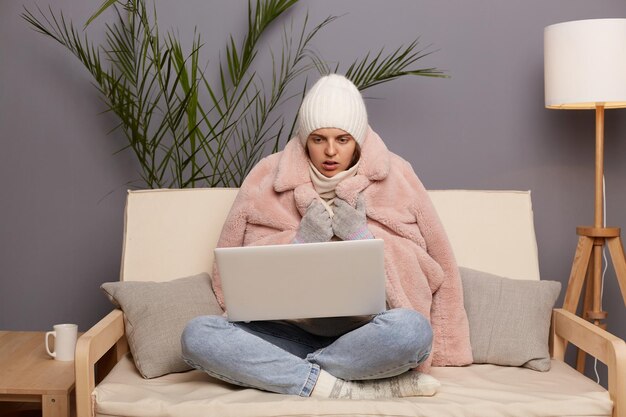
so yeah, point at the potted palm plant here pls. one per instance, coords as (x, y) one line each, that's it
(186, 131)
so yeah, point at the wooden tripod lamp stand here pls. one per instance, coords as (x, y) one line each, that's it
(585, 68)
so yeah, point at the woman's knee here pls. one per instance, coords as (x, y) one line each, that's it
(412, 334)
(199, 333)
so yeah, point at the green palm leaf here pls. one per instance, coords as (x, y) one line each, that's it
(186, 131)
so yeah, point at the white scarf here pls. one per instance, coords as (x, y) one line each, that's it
(325, 186)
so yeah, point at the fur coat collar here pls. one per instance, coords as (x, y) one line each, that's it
(293, 171)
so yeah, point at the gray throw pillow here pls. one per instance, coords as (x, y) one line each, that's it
(509, 319)
(155, 315)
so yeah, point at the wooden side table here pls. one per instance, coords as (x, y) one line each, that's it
(28, 374)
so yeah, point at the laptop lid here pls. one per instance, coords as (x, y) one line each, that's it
(307, 280)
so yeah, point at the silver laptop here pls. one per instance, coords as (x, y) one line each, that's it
(306, 280)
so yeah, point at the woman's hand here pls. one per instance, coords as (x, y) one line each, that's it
(350, 223)
(315, 226)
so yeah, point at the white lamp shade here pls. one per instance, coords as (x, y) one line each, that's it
(585, 64)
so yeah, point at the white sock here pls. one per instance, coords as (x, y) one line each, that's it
(409, 384)
(324, 385)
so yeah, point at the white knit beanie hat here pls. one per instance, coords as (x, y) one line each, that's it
(333, 101)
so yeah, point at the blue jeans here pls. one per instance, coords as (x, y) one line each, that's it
(280, 357)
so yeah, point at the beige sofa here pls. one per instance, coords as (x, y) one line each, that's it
(171, 233)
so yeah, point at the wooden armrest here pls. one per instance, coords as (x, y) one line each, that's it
(607, 348)
(105, 339)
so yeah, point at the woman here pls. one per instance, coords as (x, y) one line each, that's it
(337, 180)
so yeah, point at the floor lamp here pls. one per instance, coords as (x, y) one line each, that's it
(585, 68)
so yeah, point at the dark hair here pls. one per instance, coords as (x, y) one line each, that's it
(355, 156)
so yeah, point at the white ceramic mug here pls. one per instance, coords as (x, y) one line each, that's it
(64, 341)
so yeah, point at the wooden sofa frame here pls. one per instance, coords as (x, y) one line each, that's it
(105, 344)
(102, 346)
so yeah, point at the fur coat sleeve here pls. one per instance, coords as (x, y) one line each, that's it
(259, 216)
(421, 271)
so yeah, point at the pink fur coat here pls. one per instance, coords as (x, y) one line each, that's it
(421, 270)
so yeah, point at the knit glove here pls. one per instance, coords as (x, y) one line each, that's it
(315, 225)
(350, 223)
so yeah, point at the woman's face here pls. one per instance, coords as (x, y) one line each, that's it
(331, 150)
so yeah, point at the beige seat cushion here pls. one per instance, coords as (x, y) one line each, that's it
(477, 390)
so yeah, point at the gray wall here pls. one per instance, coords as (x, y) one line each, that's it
(61, 210)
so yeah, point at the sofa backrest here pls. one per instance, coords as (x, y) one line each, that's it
(171, 233)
